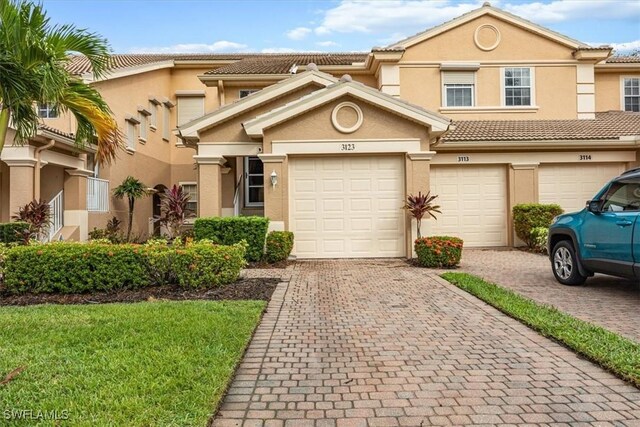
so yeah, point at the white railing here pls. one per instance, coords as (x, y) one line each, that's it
(97, 195)
(56, 208)
(236, 199)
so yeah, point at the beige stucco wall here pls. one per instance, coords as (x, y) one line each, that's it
(316, 125)
(609, 89)
(51, 181)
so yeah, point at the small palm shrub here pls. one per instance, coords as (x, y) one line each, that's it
(279, 246)
(528, 216)
(421, 205)
(438, 251)
(131, 189)
(37, 214)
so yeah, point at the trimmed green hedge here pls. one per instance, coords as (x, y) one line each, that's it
(87, 267)
(279, 246)
(232, 230)
(10, 231)
(528, 216)
(439, 251)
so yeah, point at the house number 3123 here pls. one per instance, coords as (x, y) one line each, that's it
(347, 147)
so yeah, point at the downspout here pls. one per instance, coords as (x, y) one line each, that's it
(36, 172)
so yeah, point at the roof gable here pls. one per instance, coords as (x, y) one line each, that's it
(436, 122)
(190, 130)
(489, 10)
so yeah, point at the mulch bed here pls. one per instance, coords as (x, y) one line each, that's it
(243, 289)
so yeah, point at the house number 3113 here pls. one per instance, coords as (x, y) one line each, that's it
(463, 159)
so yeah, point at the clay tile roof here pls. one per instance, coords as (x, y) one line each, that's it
(624, 59)
(79, 64)
(281, 64)
(56, 131)
(608, 125)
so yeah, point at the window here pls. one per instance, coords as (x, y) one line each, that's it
(131, 136)
(191, 188)
(458, 88)
(254, 181)
(246, 92)
(47, 111)
(153, 113)
(631, 94)
(189, 108)
(517, 87)
(143, 117)
(622, 197)
(166, 119)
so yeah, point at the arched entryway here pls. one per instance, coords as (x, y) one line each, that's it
(157, 207)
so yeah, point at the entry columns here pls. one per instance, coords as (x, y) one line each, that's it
(75, 201)
(276, 195)
(209, 185)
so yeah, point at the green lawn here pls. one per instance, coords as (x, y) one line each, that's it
(142, 364)
(611, 351)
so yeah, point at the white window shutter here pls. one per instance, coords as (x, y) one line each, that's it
(189, 108)
(458, 77)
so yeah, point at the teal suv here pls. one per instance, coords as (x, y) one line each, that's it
(604, 237)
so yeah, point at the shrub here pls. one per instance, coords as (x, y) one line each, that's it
(232, 230)
(438, 251)
(12, 232)
(279, 246)
(86, 267)
(528, 216)
(74, 268)
(37, 214)
(539, 236)
(111, 232)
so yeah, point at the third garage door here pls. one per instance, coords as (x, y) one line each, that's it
(571, 185)
(473, 200)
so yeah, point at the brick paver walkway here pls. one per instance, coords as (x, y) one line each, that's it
(357, 343)
(604, 300)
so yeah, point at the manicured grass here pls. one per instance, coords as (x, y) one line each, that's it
(612, 351)
(142, 364)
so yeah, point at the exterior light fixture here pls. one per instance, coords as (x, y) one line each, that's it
(274, 179)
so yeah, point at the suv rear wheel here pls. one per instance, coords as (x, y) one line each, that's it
(565, 264)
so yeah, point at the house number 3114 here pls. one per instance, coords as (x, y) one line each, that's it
(584, 157)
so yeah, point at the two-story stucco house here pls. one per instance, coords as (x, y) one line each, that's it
(487, 111)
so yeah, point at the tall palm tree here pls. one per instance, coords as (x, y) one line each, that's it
(33, 54)
(132, 189)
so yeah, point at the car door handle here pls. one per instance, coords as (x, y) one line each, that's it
(624, 223)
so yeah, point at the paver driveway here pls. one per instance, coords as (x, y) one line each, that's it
(352, 343)
(610, 302)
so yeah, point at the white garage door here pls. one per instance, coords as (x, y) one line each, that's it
(571, 186)
(347, 207)
(473, 201)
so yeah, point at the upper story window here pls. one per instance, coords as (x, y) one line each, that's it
(167, 105)
(153, 110)
(131, 123)
(458, 88)
(631, 94)
(518, 87)
(47, 110)
(246, 92)
(190, 105)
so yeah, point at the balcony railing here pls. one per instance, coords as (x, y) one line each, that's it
(56, 208)
(97, 195)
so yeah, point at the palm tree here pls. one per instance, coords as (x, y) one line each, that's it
(132, 189)
(33, 54)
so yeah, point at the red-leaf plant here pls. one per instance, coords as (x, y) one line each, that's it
(421, 205)
(174, 202)
(37, 214)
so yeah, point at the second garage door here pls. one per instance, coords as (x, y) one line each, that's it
(347, 207)
(571, 186)
(473, 201)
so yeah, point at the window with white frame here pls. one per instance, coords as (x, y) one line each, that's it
(253, 182)
(153, 113)
(190, 106)
(143, 117)
(458, 88)
(246, 92)
(131, 134)
(166, 119)
(631, 94)
(517, 84)
(191, 188)
(47, 110)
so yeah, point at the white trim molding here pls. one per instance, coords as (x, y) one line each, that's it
(359, 117)
(421, 155)
(346, 146)
(229, 148)
(210, 160)
(491, 47)
(272, 158)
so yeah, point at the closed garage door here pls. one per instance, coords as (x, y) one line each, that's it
(347, 207)
(473, 200)
(571, 186)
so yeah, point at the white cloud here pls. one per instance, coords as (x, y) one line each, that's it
(388, 16)
(564, 10)
(298, 33)
(624, 47)
(220, 46)
(279, 50)
(328, 43)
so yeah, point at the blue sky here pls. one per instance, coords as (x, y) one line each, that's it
(346, 25)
